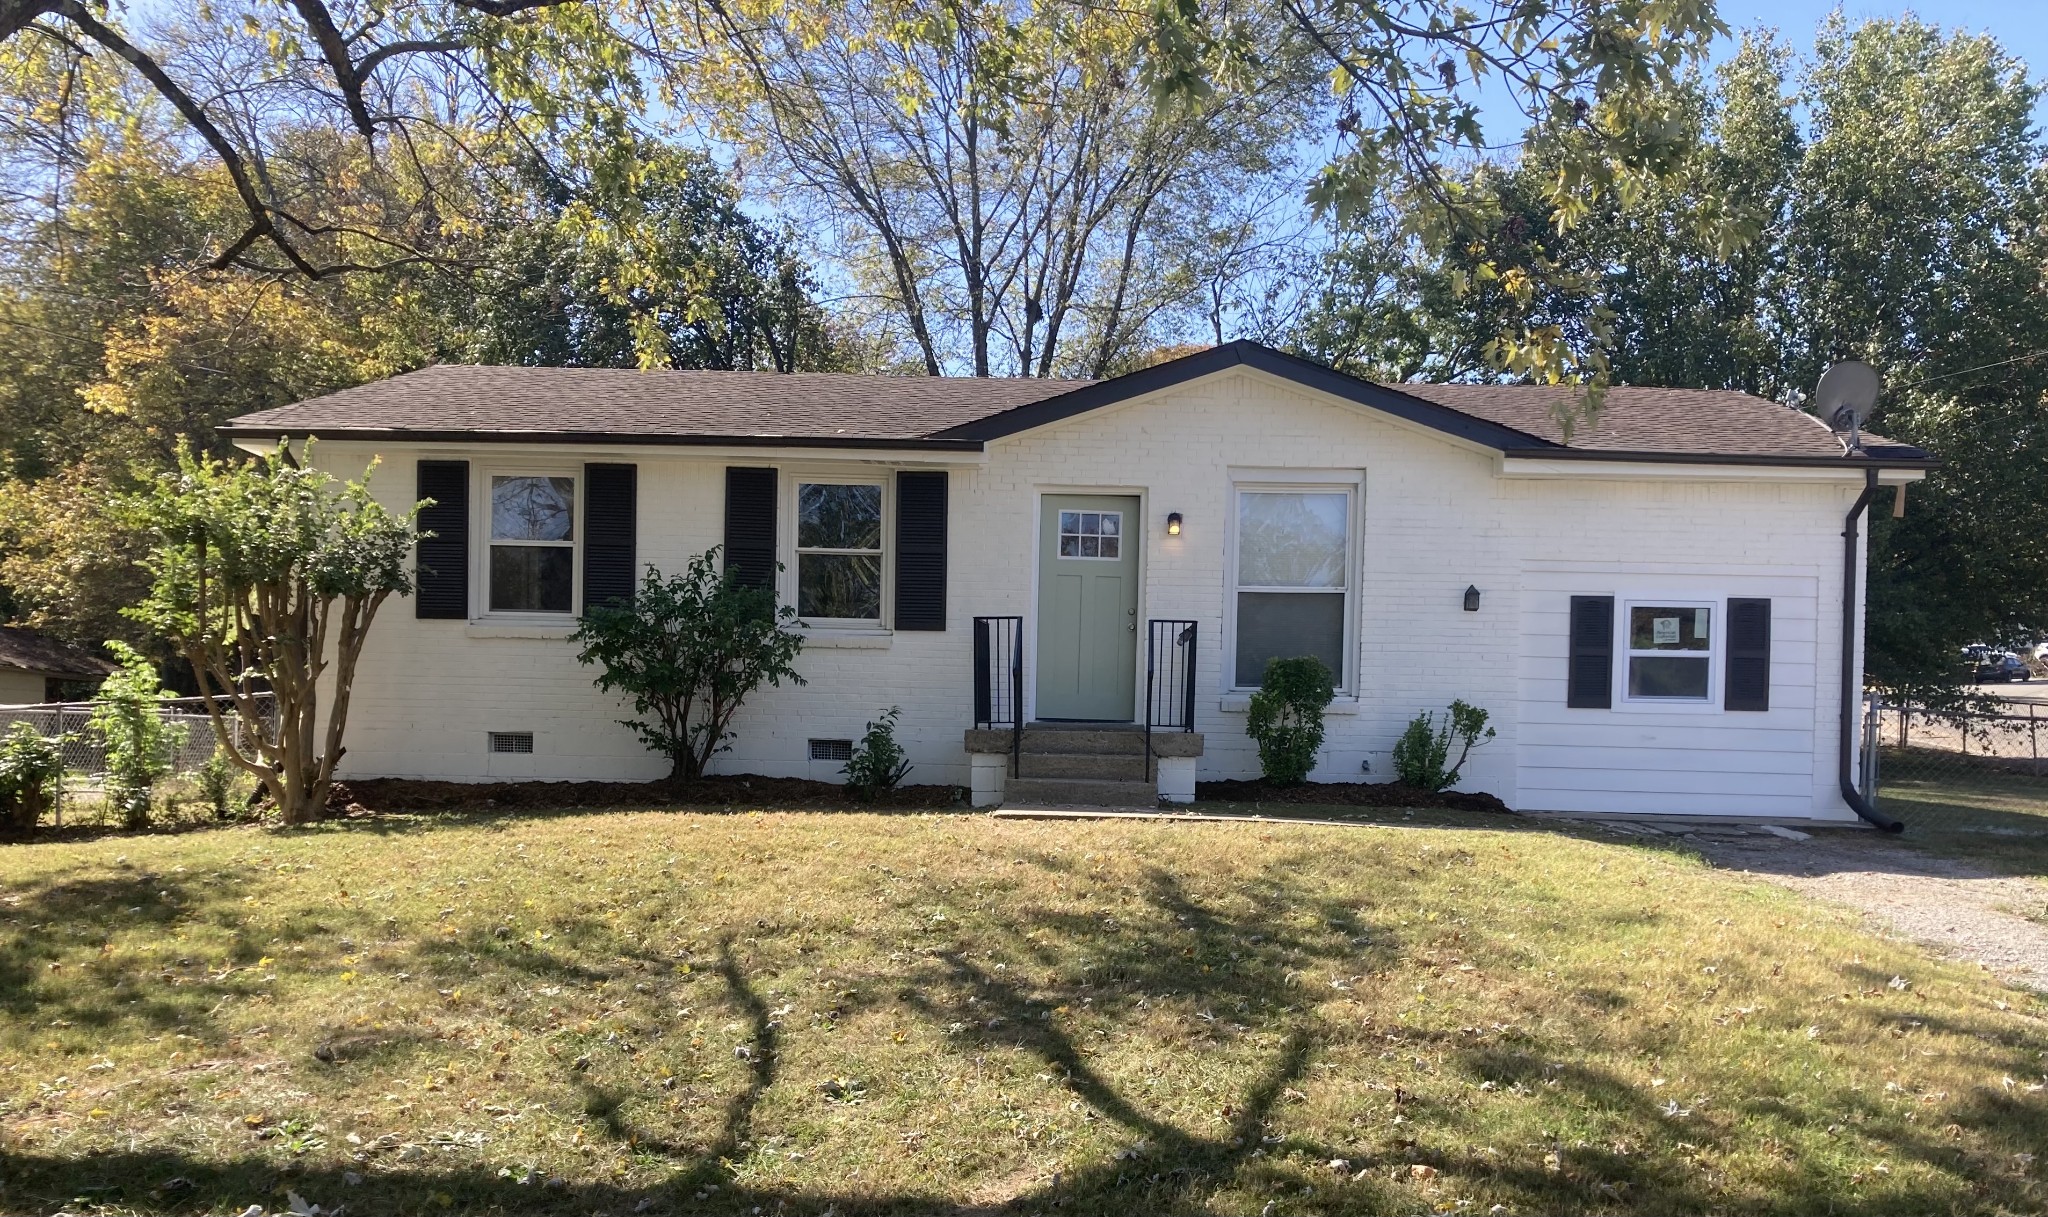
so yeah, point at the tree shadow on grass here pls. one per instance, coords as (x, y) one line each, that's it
(39, 982)
(1238, 953)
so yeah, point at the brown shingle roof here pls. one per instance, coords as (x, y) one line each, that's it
(503, 401)
(1635, 419)
(838, 409)
(33, 651)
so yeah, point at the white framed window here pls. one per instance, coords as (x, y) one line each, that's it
(1671, 650)
(1293, 556)
(1092, 534)
(530, 537)
(840, 530)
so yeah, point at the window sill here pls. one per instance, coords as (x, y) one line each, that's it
(556, 630)
(847, 640)
(1238, 703)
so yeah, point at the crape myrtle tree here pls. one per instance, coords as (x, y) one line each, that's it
(266, 575)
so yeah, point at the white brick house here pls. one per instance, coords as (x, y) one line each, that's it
(1652, 610)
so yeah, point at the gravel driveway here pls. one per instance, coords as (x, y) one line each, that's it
(1956, 908)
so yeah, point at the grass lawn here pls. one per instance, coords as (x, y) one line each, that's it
(811, 1013)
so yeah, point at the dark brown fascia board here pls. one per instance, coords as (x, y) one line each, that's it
(1245, 353)
(393, 435)
(1721, 458)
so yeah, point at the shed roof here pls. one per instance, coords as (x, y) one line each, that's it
(27, 650)
(821, 409)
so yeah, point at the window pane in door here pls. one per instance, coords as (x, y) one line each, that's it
(838, 517)
(1291, 539)
(839, 586)
(532, 508)
(1281, 625)
(1667, 676)
(532, 578)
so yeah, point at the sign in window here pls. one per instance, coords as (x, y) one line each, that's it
(1670, 651)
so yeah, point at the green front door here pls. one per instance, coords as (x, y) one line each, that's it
(1087, 607)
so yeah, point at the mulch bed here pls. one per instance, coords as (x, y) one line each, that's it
(1346, 794)
(744, 791)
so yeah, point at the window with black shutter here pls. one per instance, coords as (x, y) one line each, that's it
(750, 525)
(1590, 678)
(442, 581)
(1749, 654)
(610, 522)
(920, 550)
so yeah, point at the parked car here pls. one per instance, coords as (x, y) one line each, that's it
(2002, 665)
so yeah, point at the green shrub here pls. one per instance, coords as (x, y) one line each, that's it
(878, 765)
(688, 650)
(1424, 748)
(1286, 718)
(141, 747)
(216, 782)
(29, 768)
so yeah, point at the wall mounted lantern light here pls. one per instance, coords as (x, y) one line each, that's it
(1172, 523)
(1471, 599)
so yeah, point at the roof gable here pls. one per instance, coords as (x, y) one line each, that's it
(1262, 358)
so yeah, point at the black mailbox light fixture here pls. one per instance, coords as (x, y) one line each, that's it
(1172, 523)
(1471, 599)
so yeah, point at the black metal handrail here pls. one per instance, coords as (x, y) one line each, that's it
(995, 639)
(1169, 679)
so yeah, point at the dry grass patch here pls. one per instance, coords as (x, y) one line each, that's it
(664, 1012)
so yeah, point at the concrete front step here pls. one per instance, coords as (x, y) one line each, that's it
(1089, 741)
(1079, 792)
(1093, 741)
(1126, 767)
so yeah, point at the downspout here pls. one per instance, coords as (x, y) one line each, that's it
(1852, 676)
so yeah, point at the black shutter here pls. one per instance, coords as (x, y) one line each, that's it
(610, 513)
(750, 525)
(443, 559)
(1590, 685)
(1749, 654)
(920, 551)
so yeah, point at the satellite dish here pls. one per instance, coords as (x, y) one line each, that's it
(1844, 397)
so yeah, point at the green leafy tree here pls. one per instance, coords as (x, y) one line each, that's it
(1894, 183)
(667, 271)
(1422, 756)
(688, 651)
(267, 575)
(1596, 89)
(141, 744)
(1285, 718)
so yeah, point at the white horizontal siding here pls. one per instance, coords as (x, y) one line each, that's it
(1636, 803)
(1682, 758)
(1702, 759)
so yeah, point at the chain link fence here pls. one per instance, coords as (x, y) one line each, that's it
(85, 751)
(1982, 771)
